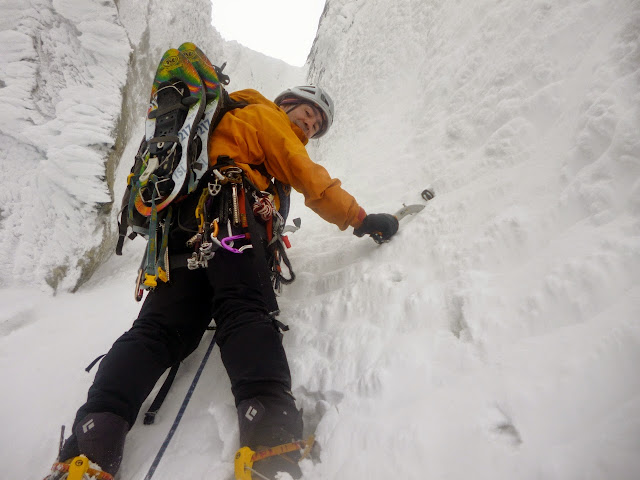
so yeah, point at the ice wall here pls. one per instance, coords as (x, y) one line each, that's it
(495, 335)
(62, 69)
(74, 82)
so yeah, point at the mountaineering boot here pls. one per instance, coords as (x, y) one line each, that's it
(267, 422)
(97, 436)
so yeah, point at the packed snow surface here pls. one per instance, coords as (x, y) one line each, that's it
(495, 337)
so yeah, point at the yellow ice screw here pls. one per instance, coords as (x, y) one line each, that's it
(78, 467)
(243, 463)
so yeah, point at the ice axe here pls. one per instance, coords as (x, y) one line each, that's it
(405, 211)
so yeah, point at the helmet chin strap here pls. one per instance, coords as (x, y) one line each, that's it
(293, 107)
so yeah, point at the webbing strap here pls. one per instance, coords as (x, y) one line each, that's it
(169, 108)
(166, 138)
(279, 450)
(123, 225)
(93, 363)
(150, 416)
(260, 256)
(150, 268)
(163, 258)
(135, 190)
(155, 265)
(281, 250)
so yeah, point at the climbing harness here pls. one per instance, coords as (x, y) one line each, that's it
(208, 240)
(228, 211)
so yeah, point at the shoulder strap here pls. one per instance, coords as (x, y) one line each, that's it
(228, 104)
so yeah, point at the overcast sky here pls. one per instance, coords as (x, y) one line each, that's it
(282, 29)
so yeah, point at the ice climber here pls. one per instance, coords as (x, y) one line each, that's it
(266, 140)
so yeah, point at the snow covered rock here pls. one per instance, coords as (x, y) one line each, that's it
(62, 68)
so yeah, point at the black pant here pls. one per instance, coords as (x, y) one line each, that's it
(170, 325)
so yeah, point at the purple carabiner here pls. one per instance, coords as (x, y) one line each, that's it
(231, 239)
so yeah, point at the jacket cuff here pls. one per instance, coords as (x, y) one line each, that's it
(357, 223)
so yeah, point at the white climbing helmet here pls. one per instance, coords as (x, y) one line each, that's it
(314, 95)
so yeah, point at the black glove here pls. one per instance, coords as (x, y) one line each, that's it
(381, 226)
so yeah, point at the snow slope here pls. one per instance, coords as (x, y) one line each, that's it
(496, 337)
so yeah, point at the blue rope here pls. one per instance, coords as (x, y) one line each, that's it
(183, 407)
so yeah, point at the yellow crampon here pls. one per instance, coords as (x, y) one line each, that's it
(243, 463)
(245, 457)
(78, 467)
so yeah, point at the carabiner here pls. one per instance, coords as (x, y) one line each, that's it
(228, 247)
(224, 242)
(215, 227)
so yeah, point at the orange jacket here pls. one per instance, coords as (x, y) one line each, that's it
(262, 134)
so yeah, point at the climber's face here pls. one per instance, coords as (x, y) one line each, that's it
(305, 116)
